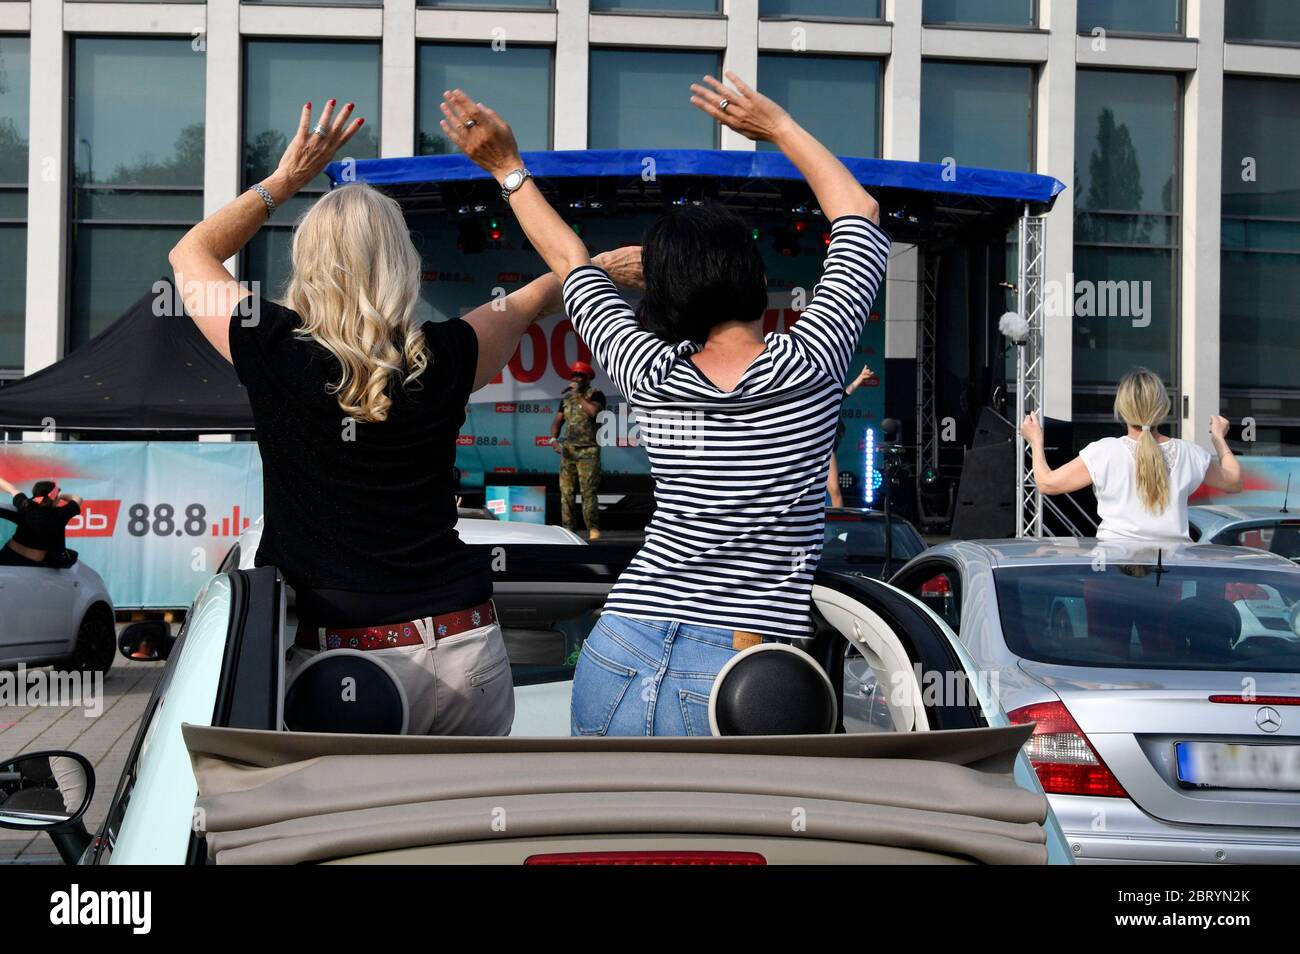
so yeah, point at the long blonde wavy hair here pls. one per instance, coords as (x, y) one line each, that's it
(1142, 401)
(356, 285)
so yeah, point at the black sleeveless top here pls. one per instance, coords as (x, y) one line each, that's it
(360, 517)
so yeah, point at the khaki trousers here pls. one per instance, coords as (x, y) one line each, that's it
(456, 685)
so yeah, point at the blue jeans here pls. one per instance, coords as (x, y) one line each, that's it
(647, 677)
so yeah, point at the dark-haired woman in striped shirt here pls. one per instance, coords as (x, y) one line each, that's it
(738, 425)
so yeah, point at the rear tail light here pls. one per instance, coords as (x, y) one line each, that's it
(1061, 754)
(936, 586)
(683, 858)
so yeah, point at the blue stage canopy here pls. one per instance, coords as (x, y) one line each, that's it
(925, 199)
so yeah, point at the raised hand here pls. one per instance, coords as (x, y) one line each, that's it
(739, 107)
(310, 151)
(1031, 430)
(480, 133)
(1219, 427)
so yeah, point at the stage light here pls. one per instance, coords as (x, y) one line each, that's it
(754, 234)
(873, 476)
(577, 227)
(826, 238)
(800, 226)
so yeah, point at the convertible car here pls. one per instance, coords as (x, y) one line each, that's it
(880, 743)
(50, 616)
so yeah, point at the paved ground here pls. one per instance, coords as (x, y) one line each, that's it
(104, 739)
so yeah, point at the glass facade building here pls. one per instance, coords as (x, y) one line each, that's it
(101, 170)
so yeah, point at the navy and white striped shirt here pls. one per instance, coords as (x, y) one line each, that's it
(739, 475)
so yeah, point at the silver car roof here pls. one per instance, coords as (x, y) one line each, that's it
(1068, 550)
(1233, 514)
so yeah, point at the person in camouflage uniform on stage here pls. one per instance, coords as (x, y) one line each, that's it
(579, 451)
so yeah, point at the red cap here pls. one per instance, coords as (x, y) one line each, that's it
(581, 367)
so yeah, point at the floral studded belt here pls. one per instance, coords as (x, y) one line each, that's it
(393, 635)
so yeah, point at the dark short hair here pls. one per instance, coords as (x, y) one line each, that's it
(702, 268)
(43, 488)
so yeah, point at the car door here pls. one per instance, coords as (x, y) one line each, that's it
(36, 607)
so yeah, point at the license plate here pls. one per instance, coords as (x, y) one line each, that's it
(1233, 765)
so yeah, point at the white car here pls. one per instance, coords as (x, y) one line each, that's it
(226, 671)
(54, 617)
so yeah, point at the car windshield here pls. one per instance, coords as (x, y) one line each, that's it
(850, 539)
(1148, 616)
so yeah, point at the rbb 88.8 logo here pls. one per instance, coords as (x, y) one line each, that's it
(162, 521)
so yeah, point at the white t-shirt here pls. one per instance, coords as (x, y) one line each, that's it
(1112, 462)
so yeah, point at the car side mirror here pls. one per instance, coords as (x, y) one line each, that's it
(45, 791)
(147, 641)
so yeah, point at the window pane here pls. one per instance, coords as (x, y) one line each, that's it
(1261, 236)
(13, 294)
(1017, 13)
(126, 130)
(266, 256)
(1125, 315)
(1126, 141)
(15, 71)
(669, 6)
(847, 9)
(181, 206)
(112, 267)
(1112, 228)
(1277, 21)
(516, 82)
(282, 75)
(1149, 615)
(1260, 345)
(835, 98)
(1261, 139)
(641, 98)
(977, 114)
(1128, 16)
(268, 261)
(545, 4)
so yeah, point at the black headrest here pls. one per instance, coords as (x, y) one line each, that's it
(1210, 625)
(346, 690)
(773, 689)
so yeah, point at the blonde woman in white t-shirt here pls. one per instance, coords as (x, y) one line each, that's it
(1143, 479)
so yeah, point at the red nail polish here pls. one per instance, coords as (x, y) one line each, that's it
(331, 102)
(361, 122)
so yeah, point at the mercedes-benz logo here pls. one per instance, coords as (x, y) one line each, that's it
(1268, 719)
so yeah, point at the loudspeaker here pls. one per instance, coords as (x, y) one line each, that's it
(991, 429)
(986, 495)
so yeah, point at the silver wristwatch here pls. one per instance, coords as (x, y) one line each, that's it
(514, 181)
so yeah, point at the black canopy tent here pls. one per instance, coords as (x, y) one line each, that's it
(151, 370)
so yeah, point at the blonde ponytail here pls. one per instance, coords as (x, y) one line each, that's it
(1142, 401)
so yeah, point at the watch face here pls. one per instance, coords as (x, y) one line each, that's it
(514, 180)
